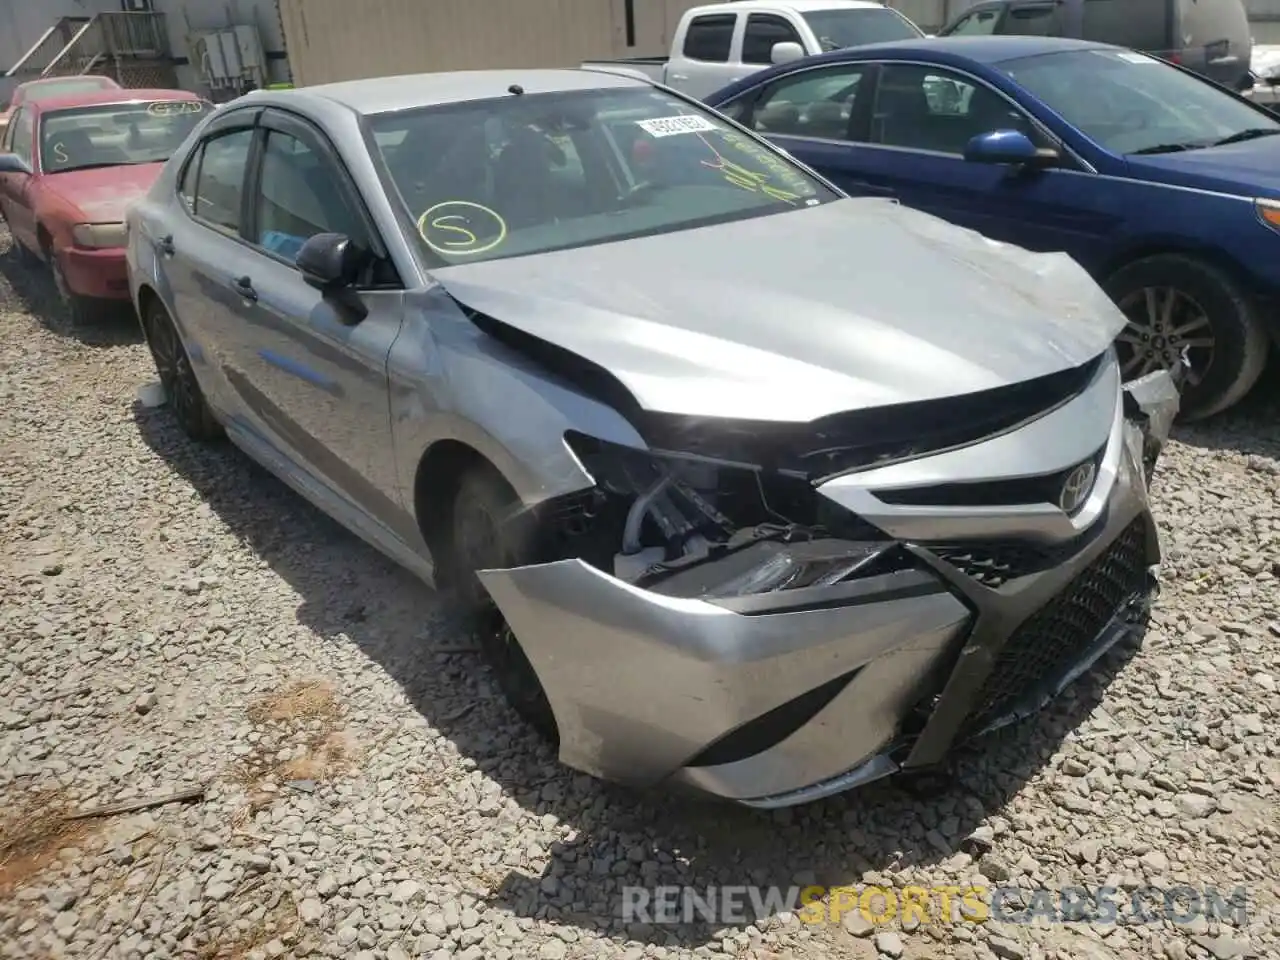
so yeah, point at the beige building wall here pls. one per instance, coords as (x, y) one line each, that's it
(330, 40)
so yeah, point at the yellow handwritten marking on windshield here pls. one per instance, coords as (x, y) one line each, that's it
(752, 180)
(740, 176)
(60, 153)
(774, 164)
(455, 228)
(174, 108)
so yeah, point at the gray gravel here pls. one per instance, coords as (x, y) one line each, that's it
(171, 616)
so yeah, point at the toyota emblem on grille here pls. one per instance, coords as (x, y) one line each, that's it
(1076, 488)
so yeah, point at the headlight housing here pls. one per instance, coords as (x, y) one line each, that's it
(99, 236)
(692, 526)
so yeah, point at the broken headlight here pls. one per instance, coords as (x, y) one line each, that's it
(697, 527)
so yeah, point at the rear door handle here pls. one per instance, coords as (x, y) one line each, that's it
(165, 245)
(244, 287)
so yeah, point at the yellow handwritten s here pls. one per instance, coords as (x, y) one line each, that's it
(439, 224)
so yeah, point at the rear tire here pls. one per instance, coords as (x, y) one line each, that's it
(488, 531)
(1176, 302)
(177, 376)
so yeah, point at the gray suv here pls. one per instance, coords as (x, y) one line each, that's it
(1210, 37)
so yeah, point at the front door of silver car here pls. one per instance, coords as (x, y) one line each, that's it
(315, 366)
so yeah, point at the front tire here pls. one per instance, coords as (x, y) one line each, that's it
(79, 310)
(1176, 304)
(490, 532)
(173, 366)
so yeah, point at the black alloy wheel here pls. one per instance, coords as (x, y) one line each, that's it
(173, 366)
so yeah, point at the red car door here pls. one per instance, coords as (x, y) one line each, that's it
(16, 188)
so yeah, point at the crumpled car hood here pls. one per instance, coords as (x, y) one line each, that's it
(844, 306)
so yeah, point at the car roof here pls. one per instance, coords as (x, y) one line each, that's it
(93, 98)
(385, 94)
(799, 6)
(985, 49)
(51, 81)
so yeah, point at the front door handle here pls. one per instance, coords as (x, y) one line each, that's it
(244, 287)
(165, 245)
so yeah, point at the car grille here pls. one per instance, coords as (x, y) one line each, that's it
(1046, 646)
(993, 563)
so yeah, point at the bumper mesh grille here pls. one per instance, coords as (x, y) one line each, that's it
(994, 563)
(1045, 648)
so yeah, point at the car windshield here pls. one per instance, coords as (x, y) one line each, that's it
(538, 172)
(1130, 103)
(48, 89)
(837, 29)
(117, 134)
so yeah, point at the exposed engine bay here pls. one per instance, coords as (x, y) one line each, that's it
(712, 488)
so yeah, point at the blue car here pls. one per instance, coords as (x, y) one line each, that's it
(1163, 185)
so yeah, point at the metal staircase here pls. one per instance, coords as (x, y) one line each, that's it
(131, 48)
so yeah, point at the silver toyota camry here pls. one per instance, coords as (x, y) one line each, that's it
(744, 485)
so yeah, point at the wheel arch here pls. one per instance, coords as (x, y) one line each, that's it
(439, 472)
(147, 295)
(1179, 247)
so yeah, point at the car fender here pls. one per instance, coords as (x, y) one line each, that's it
(439, 353)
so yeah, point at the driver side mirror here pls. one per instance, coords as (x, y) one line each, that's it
(1008, 146)
(786, 52)
(12, 163)
(332, 263)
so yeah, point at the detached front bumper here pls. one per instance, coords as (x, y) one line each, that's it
(778, 699)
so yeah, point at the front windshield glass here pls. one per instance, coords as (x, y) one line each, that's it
(48, 89)
(538, 172)
(117, 134)
(1130, 103)
(837, 29)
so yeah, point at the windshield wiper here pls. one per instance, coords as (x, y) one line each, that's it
(99, 166)
(1165, 148)
(1253, 133)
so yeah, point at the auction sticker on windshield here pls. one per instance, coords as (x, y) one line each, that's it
(669, 126)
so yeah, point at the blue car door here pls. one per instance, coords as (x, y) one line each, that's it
(811, 114)
(905, 126)
(913, 148)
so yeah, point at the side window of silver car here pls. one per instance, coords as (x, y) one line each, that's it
(219, 185)
(301, 194)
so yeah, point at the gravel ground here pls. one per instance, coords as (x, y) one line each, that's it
(173, 617)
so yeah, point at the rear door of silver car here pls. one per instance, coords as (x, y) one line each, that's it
(202, 256)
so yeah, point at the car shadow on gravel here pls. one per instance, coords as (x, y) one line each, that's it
(1252, 427)
(617, 837)
(115, 325)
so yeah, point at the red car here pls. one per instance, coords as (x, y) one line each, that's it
(69, 167)
(34, 90)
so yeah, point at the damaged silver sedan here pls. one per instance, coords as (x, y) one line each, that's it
(745, 485)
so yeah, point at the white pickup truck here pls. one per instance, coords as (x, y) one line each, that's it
(717, 44)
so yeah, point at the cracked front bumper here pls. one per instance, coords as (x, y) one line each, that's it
(793, 702)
